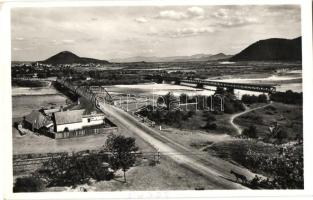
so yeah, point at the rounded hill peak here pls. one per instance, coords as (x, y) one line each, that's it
(67, 57)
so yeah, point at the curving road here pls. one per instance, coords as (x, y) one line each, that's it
(215, 170)
(233, 117)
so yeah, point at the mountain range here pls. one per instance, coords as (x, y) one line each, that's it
(274, 49)
(196, 57)
(66, 57)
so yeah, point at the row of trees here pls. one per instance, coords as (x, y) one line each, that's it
(170, 113)
(288, 97)
(251, 99)
(219, 103)
(163, 116)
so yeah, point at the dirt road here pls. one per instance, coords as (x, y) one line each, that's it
(233, 117)
(217, 171)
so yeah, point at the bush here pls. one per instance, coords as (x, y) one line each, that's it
(286, 167)
(212, 126)
(74, 170)
(209, 117)
(168, 117)
(28, 184)
(262, 98)
(232, 106)
(281, 135)
(152, 163)
(288, 97)
(250, 132)
(251, 99)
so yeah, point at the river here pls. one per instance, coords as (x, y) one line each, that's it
(290, 80)
(25, 100)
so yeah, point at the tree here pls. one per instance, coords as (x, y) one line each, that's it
(262, 98)
(281, 135)
(76, 169)
(299, 138)
(183, 98)
(249, 99)
(28, 184)
(122, 149)
(169, 100)
(250, 132)
(210, 126)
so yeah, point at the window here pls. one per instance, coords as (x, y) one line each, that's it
(89, 120)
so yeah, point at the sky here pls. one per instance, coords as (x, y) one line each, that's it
(122, 32)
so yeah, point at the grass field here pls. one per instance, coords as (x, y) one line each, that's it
(288, 117)
(145, 177)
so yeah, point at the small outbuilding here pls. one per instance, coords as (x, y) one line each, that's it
(36, 121)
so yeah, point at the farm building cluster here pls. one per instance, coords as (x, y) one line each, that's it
(58, 123)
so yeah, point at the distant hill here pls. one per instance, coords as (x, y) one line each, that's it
(196, 57)
(275, 49)
(66, 57)
(219, 56)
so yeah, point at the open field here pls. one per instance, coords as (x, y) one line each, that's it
(23, 105)
(44, 144)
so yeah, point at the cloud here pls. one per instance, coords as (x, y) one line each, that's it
(172, 15)
(195, 12)
(67, 41)
(17, 49)
(221, 13)
(184, 32)
(19, 38)
(237, 22)
(231, 17)
(22, 49)
(61, 42)
(291, 12)
(192, 12)
(141, 20)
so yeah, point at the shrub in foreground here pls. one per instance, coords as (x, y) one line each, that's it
(28, 184)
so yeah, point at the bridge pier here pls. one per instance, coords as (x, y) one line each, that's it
(220, 90)
(177, 82)
(230, 90)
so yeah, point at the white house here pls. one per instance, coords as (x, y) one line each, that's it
(75, 119)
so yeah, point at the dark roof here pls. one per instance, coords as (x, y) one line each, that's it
(68, 117)
(37, 119)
